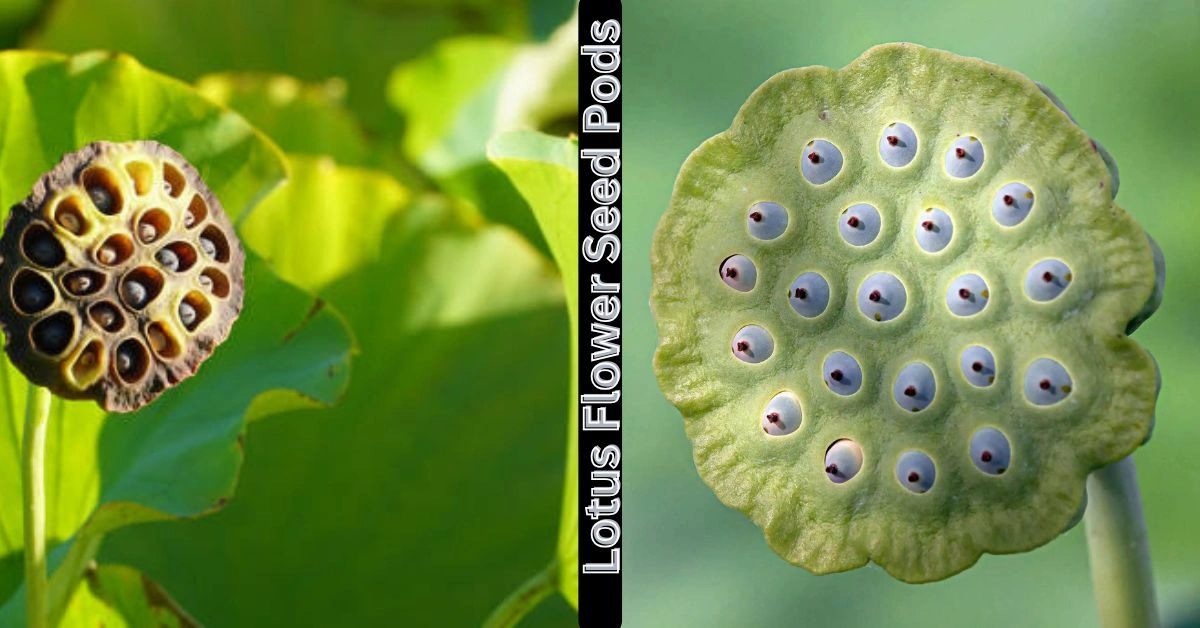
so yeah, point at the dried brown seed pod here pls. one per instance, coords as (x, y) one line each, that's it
(120, 274)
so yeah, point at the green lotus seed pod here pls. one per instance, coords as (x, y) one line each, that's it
(959, 354)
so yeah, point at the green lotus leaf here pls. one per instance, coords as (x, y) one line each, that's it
(116, 596)
(312, 41)
(414, 467)
(486, 86)
(302, 118)
(545, 171)
(892, 304)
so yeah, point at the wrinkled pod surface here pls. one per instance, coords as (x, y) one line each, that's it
(121, 273)
(922, 350)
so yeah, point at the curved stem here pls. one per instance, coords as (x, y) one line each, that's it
(524, 599)
(1118, 551)
(33, 467)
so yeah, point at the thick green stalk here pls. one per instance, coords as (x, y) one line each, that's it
(33, 467)
(1118, 550)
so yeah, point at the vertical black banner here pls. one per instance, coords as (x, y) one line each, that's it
(600, 313)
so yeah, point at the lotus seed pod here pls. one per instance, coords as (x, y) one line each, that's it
(751, 344)
(915, 387)
(978, 366)
(809, 295)
(737, 271)
(898, 144)
(935, 229)
(990, 451)
(916, 471)
(820, 162)
(859, 224)
(843, 374)
(872, 312)
(843, 461)
(1012, 204)
(1047, 279)
(882, 297)
(766, 220)
(964, 157)
(967, 295)
(94, 308)
(783, 415)
(1046, 382)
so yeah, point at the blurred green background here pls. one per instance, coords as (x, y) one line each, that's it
(1130, 74)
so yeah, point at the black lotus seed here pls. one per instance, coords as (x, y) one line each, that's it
(836, 375)
(977, 366)
(34, 296)
(168, 259)
(914, 476)
(135, 293)
(101, 198)
(986, 456)
(910, 391)
(743, 346)
(756, 216)
(187, 314)
(45, 251)
(875, 296)
(801, 293)
(963, 293)
(124, 361)
(1044, 384)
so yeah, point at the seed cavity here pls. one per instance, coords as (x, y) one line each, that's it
(934, 230)
(41, 247)
(898, 144)
(83, 282)
(52, 335)
(978, 366)
(809, 295)
(782, 415)
(1047, 279)
(69, 215)
(115, 250)
(1046, 382)
(106, 316)
(915, 387)
(915, 471)
(820, 162)
(173, 181)
(750, 344)
(859, 224)
(882, 297)
(153, 224)
(31, 292)
(140, 286)
(990, 451)
(842, 373)
(843, 460)
(1012, 204)
(215, 282)
(103, 190)
(737, 271)
(964, 157)
(967, 295)
(767, 220)
(131, 360)
(193, 310)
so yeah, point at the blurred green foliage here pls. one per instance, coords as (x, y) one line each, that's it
(1127, 70)
(433, 490)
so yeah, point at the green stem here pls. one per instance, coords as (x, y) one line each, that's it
(1118, 550)
(524, 599)
(33, 466)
